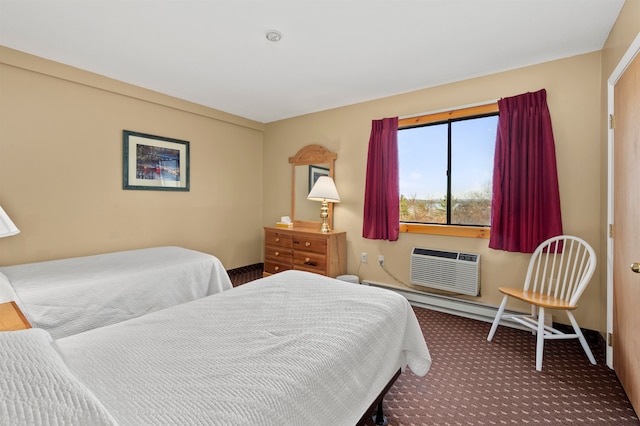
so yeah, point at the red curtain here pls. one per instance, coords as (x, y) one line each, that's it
(382, 190)
(525, 209)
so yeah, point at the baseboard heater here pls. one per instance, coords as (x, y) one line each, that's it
(451, 305)
(446, 270)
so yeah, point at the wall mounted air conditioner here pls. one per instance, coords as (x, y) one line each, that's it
(445, 270)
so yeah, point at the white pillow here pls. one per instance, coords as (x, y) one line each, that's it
(38, 388)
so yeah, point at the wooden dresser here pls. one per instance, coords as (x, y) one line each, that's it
(305, 250)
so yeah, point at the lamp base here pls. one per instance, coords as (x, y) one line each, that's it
(324, 215)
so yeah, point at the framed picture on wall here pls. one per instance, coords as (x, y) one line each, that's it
(154, 162)
(315, 172)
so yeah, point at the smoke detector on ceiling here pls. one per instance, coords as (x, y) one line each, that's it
(273, 35)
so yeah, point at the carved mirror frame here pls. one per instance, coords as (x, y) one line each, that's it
(310, 155)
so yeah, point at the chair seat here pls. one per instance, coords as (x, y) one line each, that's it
(537, 299)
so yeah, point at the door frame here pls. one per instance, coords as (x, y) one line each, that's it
(625, 61)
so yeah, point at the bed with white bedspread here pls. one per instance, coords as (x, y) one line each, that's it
(68, 296)
(292, 349)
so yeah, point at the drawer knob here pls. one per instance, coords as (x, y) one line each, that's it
(277, 240)
(276, 268)
(306, 260)
(307, 244)
(277, 253)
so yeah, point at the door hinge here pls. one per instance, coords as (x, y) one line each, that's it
(610, 339)
(611, 229)
(612, 121)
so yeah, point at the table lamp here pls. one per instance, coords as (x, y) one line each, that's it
(324, 190)
(7, 227)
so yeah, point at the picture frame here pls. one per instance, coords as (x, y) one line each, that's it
(154, 163)
(315, 172)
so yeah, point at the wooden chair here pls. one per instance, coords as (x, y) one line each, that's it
(559, 271)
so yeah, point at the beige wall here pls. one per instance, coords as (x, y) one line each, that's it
(573, 89)
(61, 169)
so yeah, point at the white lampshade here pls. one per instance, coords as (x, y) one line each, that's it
(7, 227)
(324, 190)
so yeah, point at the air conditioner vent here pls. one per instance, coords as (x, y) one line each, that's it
(445, 270)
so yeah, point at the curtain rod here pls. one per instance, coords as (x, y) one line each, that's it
(449, 109)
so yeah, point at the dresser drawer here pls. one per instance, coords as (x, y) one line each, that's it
(274, 238)
(278, 254)
(314, 262)
(271, 267)
(305, 249)
(304, 243)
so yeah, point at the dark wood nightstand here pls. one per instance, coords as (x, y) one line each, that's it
(12, 318)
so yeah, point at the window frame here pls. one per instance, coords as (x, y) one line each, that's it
(468, 231)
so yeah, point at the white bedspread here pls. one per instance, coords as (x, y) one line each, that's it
(291, 349)
(69, 296)
(38, 389)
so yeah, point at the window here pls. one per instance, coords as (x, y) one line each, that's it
(446, 167)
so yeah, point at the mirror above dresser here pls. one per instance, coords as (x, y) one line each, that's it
(307, 165)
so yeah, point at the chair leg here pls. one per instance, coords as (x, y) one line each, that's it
(540, 339)
(534, 315)
(583, 341)
(497, 319)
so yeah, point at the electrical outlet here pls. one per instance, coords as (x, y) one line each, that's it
(363, 257)
(381, 260)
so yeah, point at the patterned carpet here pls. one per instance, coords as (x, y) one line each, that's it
(475, 382)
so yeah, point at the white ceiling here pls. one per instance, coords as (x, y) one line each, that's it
(333, 53)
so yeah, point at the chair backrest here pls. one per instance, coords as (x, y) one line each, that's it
(561, 267)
